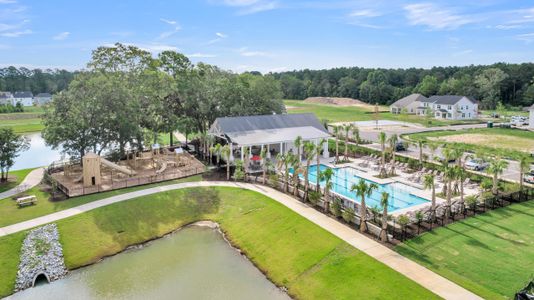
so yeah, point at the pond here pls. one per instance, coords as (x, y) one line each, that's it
(194, 263)
(38, 155)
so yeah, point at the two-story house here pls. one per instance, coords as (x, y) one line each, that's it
(6, 98)
(453, 107)
(25, 98)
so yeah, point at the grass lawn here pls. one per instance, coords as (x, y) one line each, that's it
(335, 113)
(15, 178)
(507, 142)
(27, 121)
(491, 254)
(10, 213)
(292, 251)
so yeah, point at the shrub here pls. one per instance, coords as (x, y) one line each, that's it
(335, 208)
(273, 180)
(348, 214)
(314, 197)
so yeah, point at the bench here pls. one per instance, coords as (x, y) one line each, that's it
(27, 200)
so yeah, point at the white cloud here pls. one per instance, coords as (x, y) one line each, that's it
(527, 37)
(365, 13)
(170, 22)
(221, 35)
(507, 27)
(7, 1)
(61, 36)
(248, 7)
(14, 34)
(435, 17)
(201, 55)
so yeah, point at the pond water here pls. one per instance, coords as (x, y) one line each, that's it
(38, 155)
(194, 263)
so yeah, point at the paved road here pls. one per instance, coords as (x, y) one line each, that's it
(426, 278)
(32, 179)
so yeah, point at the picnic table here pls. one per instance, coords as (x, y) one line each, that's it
(26, 200)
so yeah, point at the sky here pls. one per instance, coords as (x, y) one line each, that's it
(271, 35)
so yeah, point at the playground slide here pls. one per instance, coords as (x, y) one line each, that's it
(117, 167)
(163, 167)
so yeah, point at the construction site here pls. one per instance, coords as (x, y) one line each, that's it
(94, 173)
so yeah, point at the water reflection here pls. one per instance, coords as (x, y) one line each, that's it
(195, 263)
(38, 155)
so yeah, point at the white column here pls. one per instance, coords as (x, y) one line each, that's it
(281, 147)
(316, 154)
(268, 152)
(261, 151)
(250, 152)
(325, 150)
(242, 154)
(231, 152)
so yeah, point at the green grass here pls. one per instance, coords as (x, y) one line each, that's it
(9, 260)
(292, 251)
(352, 113)
(506, 142)
(15, 178)
(10, 212)
(490, 254)
(24, 122)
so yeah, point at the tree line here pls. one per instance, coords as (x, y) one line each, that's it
(511, 84)
(14, 79)
(126, 98)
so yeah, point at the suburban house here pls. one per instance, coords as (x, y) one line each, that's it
(454, 107)
(411, 104)
(25, 98)
(275, 133)
(42, 98)
(531, 118)
(450, 107)
(6, 98)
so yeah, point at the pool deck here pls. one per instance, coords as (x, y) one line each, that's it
(402, 177)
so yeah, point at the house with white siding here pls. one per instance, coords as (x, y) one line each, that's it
(449, 107)
(6, 98)
(42, 98)
(531, 118)
(25, 98)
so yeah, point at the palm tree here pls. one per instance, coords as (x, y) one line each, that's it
(318, 149)
(382, 139)
(524, 167)
(496, 168)
(225, 152)
(432, 147)
(421, 145)
(284, 161)
(363, 190)
(309, 152)
(298, 144)
(429, 183)
(217, 150)
(348, 128)
(355, 134)
(449, 174)
(337, 130)
(384, 201)
(327, 175)
(461, 175)
(297, 170)
(263, 156)
(393, 139)
(210, 139)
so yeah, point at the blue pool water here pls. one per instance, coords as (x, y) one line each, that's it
(400, 195)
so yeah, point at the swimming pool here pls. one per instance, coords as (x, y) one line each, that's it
(400, 195)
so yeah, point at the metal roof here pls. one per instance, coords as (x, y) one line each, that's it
(43, 95)
(25, 94)
(265, 129)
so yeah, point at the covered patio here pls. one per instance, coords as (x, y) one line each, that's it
(275, 133)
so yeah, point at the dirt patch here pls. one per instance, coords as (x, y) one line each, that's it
(336, 101)
(495, 141)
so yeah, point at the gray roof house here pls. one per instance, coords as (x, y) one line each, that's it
(6, 98)
(276, 132)
(23, 94)
(411, 104)
(42, 98)
(25, 98)
(531, 117)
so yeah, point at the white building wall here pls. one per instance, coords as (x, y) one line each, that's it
(531, 118)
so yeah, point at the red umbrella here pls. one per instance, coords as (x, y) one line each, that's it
(256, 157)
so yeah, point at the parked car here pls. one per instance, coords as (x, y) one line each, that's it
(400, 147)
(529, 178)
(476, 164)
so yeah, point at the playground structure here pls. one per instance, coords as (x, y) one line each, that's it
(96, 173)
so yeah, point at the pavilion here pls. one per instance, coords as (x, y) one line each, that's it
(276, 133)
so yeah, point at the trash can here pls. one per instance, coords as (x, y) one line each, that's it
(490, 124)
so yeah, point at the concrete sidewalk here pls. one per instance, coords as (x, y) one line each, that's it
(32, 179)
(426, 278)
